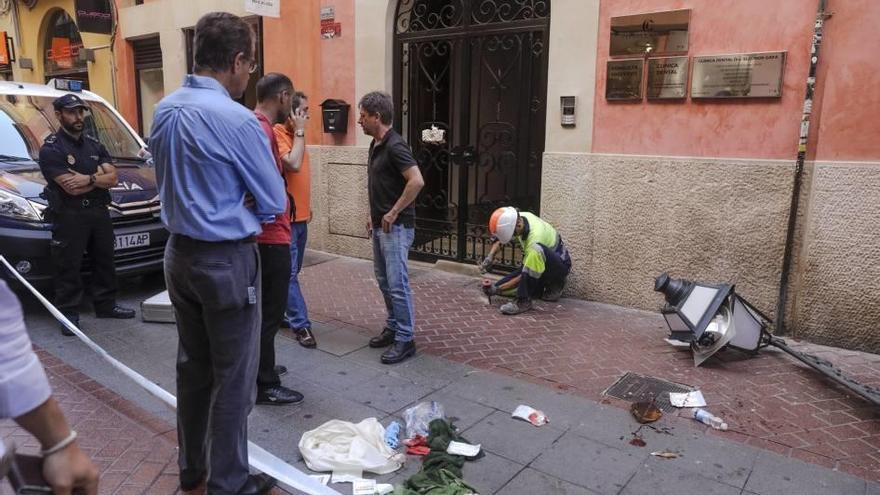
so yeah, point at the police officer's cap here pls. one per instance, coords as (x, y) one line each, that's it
(68, 102)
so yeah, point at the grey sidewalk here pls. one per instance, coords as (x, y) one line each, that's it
(584, 450)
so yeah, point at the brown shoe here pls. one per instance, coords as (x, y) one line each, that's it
(305, 337)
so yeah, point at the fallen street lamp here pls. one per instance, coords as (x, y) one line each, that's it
(711, 317)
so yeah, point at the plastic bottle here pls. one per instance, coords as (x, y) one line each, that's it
(707, 418)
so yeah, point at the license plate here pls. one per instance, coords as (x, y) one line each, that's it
(128, 241)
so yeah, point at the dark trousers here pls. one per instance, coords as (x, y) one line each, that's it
(556, 270)
(275, 259)
(75, 231)
(215, 291)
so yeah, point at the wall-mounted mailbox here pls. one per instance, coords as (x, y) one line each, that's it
(335, 115)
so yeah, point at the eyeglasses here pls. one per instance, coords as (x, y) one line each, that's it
(253, 67)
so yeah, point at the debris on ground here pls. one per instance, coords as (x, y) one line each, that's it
(687, 399)
(646, 412)
(392, 435)
(418, 417)
(441, 471)
(463, 449)
(707, 418)
(533, 416)
(341, 446)
(666, 454)
(417, 445)
(637, 442)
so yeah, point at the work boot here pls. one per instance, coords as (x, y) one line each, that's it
(516, 307)
(278, 396)
(384, 339)
(398, 352)
(118, 312)
(553, 292)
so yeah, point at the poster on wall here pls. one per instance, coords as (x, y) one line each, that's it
(265, 8)
(94, 16)
(329, 27)
(741, 75)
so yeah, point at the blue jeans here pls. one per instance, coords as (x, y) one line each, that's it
(390, 253)
(297, 315)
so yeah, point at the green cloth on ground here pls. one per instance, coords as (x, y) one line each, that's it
(441, 472)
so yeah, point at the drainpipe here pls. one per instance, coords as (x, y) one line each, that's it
(821, 16)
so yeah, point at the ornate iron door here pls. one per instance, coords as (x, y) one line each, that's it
(477, 70)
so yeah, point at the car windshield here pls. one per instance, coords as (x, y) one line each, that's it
(25, 121)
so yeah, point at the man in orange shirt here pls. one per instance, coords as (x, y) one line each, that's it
(292, 148)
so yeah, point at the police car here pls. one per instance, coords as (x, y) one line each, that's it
(27, 118)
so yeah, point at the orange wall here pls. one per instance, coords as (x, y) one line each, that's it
(290, 46)
(849, 81)
(733, 128)
(337, 68)
(126, 93)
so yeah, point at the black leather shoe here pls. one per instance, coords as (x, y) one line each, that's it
(398, 352)
(384, 339)
(278, 396)
(306, 338)
(118, 312)
(257, 484)
(65, 331)
(280, 370)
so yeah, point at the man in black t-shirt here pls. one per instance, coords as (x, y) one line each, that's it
(78, 174)
(393, 182)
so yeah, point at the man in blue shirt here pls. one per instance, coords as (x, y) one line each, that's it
(218, 182)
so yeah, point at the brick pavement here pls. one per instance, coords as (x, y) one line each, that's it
(135, 452)
(770, 401)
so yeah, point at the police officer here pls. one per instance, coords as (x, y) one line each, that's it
(78, 174)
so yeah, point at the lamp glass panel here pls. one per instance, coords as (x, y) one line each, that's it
(698, 303)
(748, 326)
(675, 323)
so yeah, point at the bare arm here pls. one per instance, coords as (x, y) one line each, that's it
(293, 159)
(414, 184)
(106, 176)
(68, 468)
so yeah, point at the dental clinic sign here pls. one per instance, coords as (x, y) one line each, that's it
(266, 8)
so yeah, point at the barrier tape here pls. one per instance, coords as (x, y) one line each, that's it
(259, 458)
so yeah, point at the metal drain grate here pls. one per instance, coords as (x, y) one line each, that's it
(633, 387)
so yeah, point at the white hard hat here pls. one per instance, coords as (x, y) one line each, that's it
(502, 223)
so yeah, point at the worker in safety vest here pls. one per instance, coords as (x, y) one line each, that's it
(545, 264)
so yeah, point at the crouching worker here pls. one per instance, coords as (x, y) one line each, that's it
(545, 265)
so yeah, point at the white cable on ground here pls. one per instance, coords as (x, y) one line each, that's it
(258, 457)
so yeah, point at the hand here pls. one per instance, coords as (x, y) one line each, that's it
(369, 227)
(388, 220)
(298, 120)
(75, 180)
(70, 469)
(485, 265)
(249, 201)
(490, 290)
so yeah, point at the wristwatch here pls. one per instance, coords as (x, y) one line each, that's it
(300, 133)
(92, 180)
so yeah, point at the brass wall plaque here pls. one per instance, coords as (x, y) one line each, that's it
(654, 33)
(623, 79)
(667, 77)
(741, 75)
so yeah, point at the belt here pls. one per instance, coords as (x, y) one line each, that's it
(185, 239)
(85, 203)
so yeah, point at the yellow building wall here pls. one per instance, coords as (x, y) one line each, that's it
(32, 28)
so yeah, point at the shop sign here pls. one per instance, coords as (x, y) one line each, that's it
(742, 75)
(5, 58)
(329, 27)
(265, 8)
(63, 53)
(94, 16)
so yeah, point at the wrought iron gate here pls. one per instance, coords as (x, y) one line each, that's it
(476, 69)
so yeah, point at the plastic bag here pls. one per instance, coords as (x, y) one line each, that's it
(418, 417)
(339, 445)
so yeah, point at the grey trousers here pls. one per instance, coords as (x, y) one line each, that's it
(215, 290)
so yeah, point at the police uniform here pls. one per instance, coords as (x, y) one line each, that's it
(81, 222)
